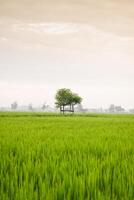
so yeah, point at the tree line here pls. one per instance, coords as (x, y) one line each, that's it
(65, 101)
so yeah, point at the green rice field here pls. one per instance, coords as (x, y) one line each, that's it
(54, 157)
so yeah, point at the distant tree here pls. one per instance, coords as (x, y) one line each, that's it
(119, 109)
(115, 109)
(44, 106)
(112, 108)
(65, 97)
(131, 110)
(14, 105)
(30, 107)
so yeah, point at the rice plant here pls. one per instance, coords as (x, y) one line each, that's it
(53, 157)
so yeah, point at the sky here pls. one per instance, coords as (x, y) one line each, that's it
(84, 45)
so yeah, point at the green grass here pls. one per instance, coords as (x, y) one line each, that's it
(53, 157)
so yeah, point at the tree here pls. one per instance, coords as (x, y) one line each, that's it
(65, 97)
(119, 109)
(44, 106)
(30, 107)
(75, 99)
(112, 108)
(14, 105)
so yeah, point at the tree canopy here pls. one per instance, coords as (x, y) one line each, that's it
(65, 97)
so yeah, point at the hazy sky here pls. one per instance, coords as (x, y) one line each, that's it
(85, 45)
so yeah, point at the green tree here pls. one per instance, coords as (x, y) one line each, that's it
(76, 99)
(65, 97)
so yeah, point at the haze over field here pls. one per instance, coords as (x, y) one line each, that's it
(85, 45)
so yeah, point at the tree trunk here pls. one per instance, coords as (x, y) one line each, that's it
(63, 109)
(72, 108)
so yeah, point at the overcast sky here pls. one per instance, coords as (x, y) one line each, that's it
(84, 45)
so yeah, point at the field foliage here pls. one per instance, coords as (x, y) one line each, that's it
(53, 157)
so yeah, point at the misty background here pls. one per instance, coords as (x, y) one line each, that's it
(84, 45)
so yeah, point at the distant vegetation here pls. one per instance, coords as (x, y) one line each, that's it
(49, 157)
